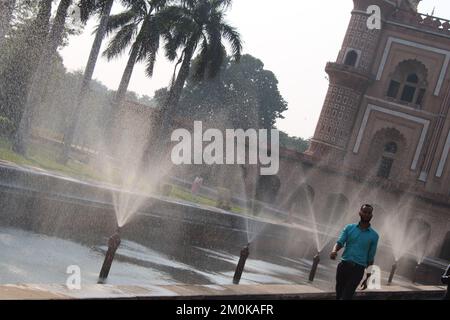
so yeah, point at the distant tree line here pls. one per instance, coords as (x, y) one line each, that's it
(293, 143)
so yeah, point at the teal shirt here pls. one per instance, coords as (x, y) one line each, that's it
(360, 245)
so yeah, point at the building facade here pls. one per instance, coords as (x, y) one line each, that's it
(383, 136)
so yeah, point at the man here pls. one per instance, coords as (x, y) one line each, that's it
(360, 242)
(445, 280)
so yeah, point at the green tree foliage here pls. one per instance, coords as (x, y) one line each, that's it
(55, 111)
(18, 58)
(6, 127)
(243, 95)
(293, 143)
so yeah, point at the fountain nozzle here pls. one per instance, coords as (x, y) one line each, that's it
(241, 264)
(315, 264)
(113, 245)
(393, 269)
(416, 273)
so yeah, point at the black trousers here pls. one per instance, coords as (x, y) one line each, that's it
(348, 277)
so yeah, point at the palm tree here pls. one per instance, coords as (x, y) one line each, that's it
(140, 28)
(6, 11)
(87, 8)
(40, 77)
(196, 24)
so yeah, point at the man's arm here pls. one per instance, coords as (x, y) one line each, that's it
(340, 243)
(335, 250)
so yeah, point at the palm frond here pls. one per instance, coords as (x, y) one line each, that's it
(148, 39)
(202, 62)
(117, 21)
(173, 42)
(120, 41)
(234, 38)
(87, 8)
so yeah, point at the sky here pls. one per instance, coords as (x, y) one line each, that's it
(294, 39)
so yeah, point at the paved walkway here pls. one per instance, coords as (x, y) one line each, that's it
(298, 292)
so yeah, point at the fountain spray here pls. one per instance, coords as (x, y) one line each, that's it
(391, 275)
(416, 273)
(113, 245)
(315, 264)
(240, 266)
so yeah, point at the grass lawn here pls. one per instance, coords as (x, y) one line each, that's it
(44, 157)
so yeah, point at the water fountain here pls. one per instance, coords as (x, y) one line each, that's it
(315, 264)
(113, 245)
(241, 264)
(416, 273)
(406, 237)
(392, 273)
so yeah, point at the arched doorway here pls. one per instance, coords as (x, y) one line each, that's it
(300, 201)
(418, 236)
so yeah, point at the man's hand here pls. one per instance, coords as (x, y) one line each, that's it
(335, 250)
(333, 255)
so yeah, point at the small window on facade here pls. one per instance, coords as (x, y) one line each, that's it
(351, 58)
(420, 97)
(384, 170)
(394, 87)
(391, 147)
(413, 78)
(408, 93)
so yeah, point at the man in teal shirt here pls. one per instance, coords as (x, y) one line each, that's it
(360, 241)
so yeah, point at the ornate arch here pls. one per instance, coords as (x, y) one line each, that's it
(381, 139)
(301, 200)
(408, 83)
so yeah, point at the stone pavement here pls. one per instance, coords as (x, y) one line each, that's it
(230, 292)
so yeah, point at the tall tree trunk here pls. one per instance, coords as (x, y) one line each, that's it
(22, 65)
(34, 42)
(6, 11)
(154, 150)
(176, 90)
(88, 73)
(39, 80)
(126, 77)
(121, 93)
